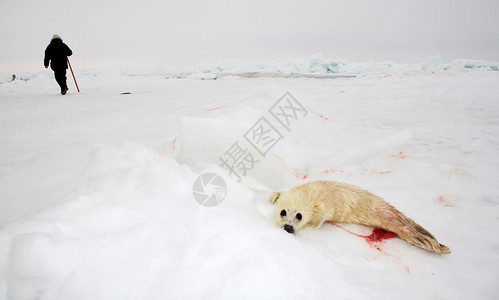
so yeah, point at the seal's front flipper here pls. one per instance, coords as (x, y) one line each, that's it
(273, 198)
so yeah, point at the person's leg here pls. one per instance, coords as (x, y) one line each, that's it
(60, 77)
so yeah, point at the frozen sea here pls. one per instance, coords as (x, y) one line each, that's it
(96, 187)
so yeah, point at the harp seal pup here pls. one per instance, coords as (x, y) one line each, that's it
(311, 204)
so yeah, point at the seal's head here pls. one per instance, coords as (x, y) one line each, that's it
(292, 211)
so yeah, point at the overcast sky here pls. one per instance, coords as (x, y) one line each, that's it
(187, 32)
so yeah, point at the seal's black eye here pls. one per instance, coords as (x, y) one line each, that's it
(298, 216)
(283, 213)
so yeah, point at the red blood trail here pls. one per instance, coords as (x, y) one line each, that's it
(377, 236)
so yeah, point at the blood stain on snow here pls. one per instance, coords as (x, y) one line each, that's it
(172, 148)
(332, 170)
(400, 155)
(215, 108)
(301, 175)
(322, 116)
(377, 172)
(377, 237)
(173, 144)
(442, 200)
(372, 172)
(297, 173)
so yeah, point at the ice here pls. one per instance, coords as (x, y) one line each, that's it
(96, 187)
(433, 63)
(317, 66)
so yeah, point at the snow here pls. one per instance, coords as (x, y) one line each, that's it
(96, 187)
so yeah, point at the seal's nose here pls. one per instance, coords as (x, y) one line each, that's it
(289, 228)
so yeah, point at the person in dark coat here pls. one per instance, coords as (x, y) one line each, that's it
(57, 54)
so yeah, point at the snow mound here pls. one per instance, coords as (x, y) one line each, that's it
(133, 218)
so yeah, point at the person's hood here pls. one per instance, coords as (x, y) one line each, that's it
(56, 38)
